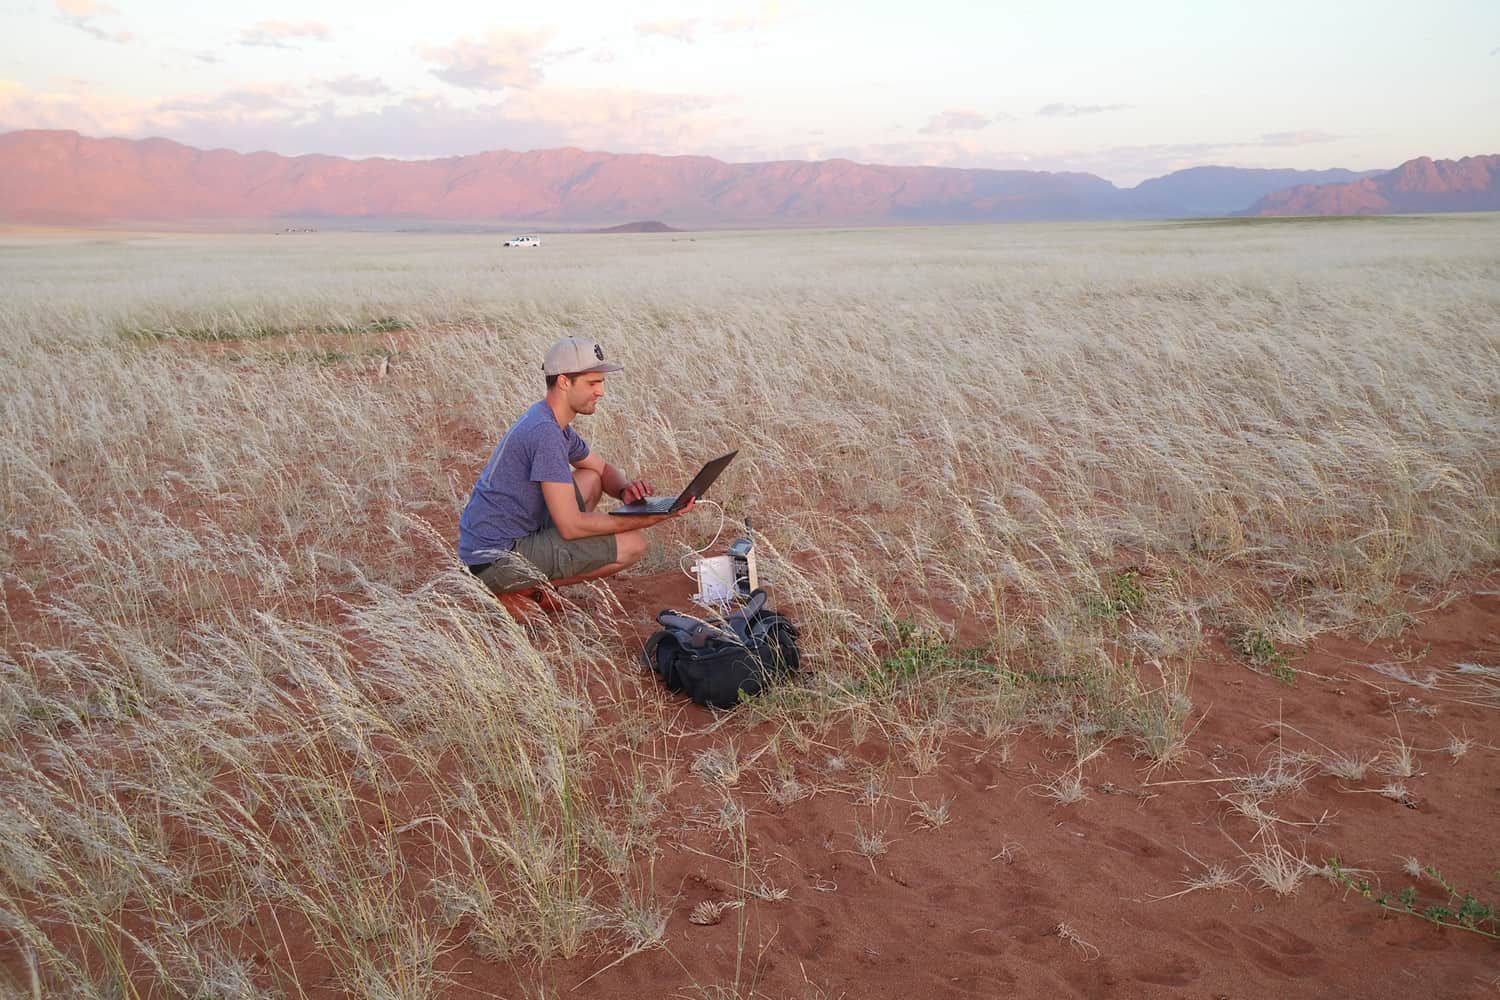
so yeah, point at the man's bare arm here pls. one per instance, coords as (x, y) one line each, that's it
(616, 483)
(562, 505)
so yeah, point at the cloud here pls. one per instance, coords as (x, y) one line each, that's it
(621, 120)
(82, 14)
(1074, 110)
(1306, 137)
(502, 58)
(237, 100)
(356, 86)
(687, 29)
(764, 17)
(292, 121)
(955, 121)
(682, 29)
(283, 34)
(85, 8)
(76, 108)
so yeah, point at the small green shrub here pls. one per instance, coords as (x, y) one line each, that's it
(1469, 914)
(1258, 647)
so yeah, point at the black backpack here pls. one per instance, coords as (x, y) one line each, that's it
(718, 661)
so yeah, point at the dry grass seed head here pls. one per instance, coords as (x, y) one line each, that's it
(1066, 932)
(1007, 854)
(870, 843)
(1400, 761)
(1065, 789)
(767, 892)
(1457, 747)
(719, 765)
(1350, 767)
(1276, 868)
(1215, 876)
(710, 912)
(1287, 772)
(933, 815)
(1396, 792)
(784, 789)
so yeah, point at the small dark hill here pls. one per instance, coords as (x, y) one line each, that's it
(641, 227)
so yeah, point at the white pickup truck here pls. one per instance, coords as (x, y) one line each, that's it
(523, 241)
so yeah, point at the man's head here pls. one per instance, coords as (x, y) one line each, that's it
(575, 369)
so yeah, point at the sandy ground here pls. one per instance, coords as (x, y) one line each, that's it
(1018, 895)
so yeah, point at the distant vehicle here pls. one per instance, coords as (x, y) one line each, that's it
(523, 241)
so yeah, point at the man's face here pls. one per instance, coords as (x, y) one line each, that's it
(585, 391)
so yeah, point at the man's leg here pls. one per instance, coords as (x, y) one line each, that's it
(630, 546)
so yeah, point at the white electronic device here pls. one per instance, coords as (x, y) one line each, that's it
(727, 578)
(715, 580)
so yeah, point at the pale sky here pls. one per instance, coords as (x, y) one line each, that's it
(1120, 89)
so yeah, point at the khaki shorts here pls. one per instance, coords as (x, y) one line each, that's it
(546, 555)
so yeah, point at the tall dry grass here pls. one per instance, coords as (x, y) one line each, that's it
(249, 706)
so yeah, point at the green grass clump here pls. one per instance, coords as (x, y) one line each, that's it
(1262, 652)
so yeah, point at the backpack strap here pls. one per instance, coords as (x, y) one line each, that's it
(695, 632)
(742, 619)
(650, 651)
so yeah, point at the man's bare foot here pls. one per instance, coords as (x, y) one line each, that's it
(522, 607)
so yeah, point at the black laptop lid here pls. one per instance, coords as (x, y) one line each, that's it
(695, 489)
(703, 480)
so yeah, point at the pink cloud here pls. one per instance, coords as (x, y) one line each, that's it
(77, 108)
(687, 29)
(767, 15)
(500, 59)
(283, 34)
(84, 8)
(290, 120)
(82, 14)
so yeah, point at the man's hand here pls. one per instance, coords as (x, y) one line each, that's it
(636, 491)
(652, 520)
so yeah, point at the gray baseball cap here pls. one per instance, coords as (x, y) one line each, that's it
(576, 355)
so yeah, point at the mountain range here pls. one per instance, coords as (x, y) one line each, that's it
(61, 177)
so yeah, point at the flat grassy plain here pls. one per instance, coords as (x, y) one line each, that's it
(1147, 576)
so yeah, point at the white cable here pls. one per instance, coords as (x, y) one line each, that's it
(723, 519)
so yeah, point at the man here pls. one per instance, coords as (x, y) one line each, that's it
(530, 524)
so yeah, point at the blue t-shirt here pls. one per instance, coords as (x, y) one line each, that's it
(507, 501)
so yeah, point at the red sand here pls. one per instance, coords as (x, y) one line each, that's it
(974, 908)
(978, 907)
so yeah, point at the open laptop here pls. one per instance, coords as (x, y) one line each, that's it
(695, 490)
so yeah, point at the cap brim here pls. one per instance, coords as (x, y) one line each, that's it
(584, 371)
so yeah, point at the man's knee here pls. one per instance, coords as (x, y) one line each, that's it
(630, 547)
(590, 487)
